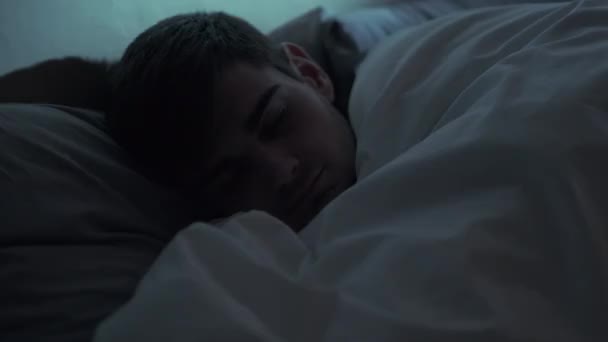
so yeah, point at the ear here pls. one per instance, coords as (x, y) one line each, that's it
(308, 69)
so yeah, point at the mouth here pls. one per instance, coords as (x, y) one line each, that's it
(307, 191)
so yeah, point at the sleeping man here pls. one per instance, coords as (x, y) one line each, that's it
(206, 104)
(480, 209)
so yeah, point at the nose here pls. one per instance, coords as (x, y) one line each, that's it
(279, 167)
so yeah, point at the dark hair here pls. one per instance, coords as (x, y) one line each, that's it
(162, 96)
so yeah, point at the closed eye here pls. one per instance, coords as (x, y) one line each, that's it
(271, 130)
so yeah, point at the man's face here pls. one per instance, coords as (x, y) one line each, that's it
(278, 146)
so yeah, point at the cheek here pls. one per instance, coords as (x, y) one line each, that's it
(325, 135)
(318, 129)
(311, 127)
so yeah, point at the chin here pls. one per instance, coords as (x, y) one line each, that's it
(299, 225)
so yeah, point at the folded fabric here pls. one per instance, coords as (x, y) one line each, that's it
(80, 224)
(480, 212)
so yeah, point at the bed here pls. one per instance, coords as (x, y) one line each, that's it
(480, 211)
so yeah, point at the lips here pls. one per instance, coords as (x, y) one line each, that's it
(307, 189)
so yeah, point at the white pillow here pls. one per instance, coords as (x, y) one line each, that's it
(80, 225)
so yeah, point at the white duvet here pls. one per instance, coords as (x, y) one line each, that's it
(481, 211)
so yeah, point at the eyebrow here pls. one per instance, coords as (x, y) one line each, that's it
(253, 120)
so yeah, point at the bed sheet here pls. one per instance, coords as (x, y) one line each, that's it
(480, 213)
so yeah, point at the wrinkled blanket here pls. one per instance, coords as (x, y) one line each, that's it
(481, 211)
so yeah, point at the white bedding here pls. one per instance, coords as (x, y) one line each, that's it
(481, 213)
